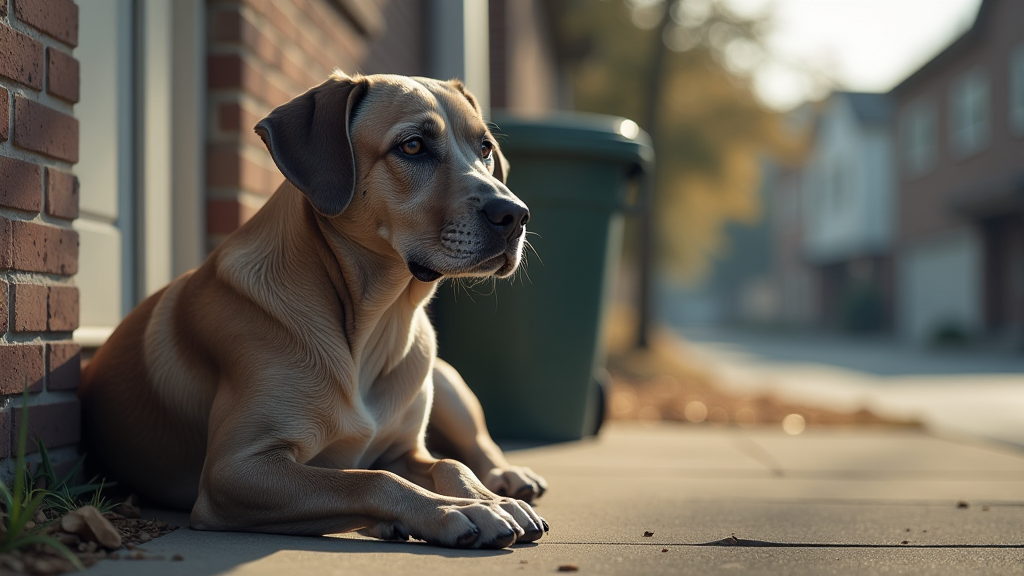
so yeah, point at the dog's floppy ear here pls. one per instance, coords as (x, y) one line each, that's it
(309, 141)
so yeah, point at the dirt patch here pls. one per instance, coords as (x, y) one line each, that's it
(39, 559)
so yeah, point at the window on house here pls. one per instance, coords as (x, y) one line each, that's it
(969, 110)
(920, 141)
(1017, 90)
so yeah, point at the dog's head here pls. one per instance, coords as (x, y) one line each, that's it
(409, 162)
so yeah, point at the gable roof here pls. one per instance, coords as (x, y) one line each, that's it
(968, 40)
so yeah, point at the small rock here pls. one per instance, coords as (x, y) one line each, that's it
(985, 508)
(648, 534)
(129, 508)
(14, 564)
(664, 549)
(40, 518)
(179, 558)
(29, 525)
(136, 555)
(568, 568)
(69, 540)
(88, 524)
(523, 562)
(114, 556)
(904, 542)
(144, 537)
(48, 566)
(962, 504)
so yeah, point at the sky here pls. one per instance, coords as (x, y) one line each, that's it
(856, 45)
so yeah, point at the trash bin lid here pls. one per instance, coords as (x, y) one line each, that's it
(574, 134)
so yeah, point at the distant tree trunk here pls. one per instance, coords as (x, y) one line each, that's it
(646, 245)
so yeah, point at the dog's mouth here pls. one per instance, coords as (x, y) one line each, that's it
(422, 273)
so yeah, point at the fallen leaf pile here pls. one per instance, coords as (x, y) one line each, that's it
(662, 383)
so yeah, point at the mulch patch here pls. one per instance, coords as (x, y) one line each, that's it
(39, 559)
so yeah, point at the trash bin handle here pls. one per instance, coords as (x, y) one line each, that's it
(643, 173)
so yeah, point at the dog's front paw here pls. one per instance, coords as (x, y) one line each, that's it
(516, 481)
(481, 524)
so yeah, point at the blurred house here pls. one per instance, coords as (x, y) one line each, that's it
(847, 215)
(795, 281)
(163, 96)
(908, 213)
(821, 257)
(960, 233)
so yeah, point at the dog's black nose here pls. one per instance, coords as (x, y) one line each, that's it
(505, 216)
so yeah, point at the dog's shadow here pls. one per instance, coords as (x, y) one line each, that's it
(195, 553)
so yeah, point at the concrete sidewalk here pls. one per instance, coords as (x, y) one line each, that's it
(829, 501)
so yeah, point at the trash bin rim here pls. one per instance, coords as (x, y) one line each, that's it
(574, 134)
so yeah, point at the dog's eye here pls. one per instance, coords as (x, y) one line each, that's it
(485, 149)
(412, 146)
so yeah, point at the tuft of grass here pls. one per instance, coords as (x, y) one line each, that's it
(60, 495)
(21, 502)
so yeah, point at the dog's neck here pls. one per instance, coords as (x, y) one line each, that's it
(377, 290)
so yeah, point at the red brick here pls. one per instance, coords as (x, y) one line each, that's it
(5, 115)
(23, 363)
(225, 216)
(21, 185)
(6, 244)
(57, 18)
(232, 27)
(62, 75)
(224, 71)
(28, 302)
(230, 71)
(36, 247)
(227, 168)
(5, 426)
(5, 291)
(21, 58)
(62, 309)
(233, 117)
(45, 130)
(56, 424)
(65, 365)
(61, 194)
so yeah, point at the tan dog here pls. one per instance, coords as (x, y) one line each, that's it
(285, 385)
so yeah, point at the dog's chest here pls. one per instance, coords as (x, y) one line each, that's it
(388, 409)
(371, 431)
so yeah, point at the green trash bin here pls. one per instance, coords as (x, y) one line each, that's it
(530, 348)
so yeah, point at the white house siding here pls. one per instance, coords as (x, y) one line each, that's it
(940, 285)
(848, 185)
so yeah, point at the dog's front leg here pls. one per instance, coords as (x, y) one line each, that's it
(452, 478)
(457, 429)
(252, 481)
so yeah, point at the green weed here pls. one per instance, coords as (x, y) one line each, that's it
(21, 502)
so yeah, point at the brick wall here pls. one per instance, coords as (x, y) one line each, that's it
(261, 53)
(39, 82)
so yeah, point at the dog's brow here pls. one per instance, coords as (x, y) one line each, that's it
(430, 125)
